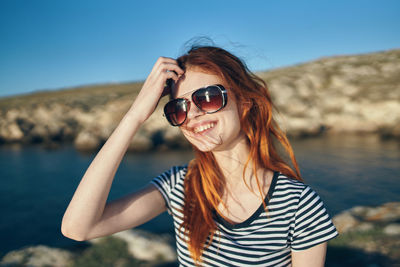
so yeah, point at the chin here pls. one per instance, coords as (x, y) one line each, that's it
(203, 147)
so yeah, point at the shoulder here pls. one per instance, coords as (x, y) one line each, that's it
(175, 171)
(303, 197)
(170, 184)
(170, 178)
(289, 185)
(178, 172)
(298, 192)
(310, 221)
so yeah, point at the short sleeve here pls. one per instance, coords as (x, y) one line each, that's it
(167, 181)
(313, 224)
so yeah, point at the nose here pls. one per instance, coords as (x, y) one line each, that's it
(193, 111)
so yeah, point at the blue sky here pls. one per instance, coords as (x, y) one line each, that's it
(56, 44)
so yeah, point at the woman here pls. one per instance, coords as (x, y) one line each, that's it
(238, 203)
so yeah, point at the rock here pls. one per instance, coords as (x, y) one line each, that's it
(345, 221)
(390, 131)
(86, 141)
(146, 246)
(12, 115)
(369, 234)
(389, 212)
(25, 124)
(362, 218)
(174, 138)
(11, 132)
(364, 226)
(140, 142)
(359, 210)
(392, 229)
(38, 256)
(300, 127)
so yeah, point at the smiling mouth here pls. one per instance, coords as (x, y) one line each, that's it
(204, 127)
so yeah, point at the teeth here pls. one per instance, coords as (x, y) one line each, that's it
(203, 127)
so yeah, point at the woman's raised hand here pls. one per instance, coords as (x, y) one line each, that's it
(154, 86)
(89, 215)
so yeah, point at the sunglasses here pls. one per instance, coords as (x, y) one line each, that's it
(209, 99)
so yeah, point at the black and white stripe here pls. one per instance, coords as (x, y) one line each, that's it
(296, 220)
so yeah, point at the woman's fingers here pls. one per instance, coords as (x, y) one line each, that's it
(164, 69)
(165, 63)
(170, 71)
(170, 74)
(174, 67)
(154, 86)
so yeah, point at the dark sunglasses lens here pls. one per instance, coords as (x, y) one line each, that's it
(208, 99)
(176, 111)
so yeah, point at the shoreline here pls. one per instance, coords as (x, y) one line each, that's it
(54, 145)
(367, 235)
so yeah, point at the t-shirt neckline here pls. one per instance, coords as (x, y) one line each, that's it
(219, 219)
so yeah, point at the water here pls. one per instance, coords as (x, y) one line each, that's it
(36, 185)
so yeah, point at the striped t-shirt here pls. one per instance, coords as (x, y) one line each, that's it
(296, 220)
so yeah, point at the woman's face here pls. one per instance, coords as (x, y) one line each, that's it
(208, 132)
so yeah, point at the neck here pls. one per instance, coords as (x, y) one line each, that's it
(232, 163)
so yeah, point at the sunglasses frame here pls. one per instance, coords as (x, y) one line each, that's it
(224, 95)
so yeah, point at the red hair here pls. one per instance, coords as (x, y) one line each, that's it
(204, 182)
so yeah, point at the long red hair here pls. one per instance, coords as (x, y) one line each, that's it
(204, 182)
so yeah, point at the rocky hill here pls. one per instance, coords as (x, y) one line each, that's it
(351, 94)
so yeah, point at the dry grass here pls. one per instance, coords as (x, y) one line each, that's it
(85, 97)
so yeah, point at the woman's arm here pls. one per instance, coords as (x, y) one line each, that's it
(88, 216)
(312, 257)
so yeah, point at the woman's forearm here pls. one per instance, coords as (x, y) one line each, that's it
(87, 206)
(89, 200)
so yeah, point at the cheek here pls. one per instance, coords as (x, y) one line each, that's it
(232, 124)
(233, 115)
(187, 135)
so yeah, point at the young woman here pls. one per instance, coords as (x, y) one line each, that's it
(238, 203)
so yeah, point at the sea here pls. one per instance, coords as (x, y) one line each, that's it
(37, 183)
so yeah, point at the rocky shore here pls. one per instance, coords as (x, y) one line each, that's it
(343, 94)
(368, 236)
(123, 249)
